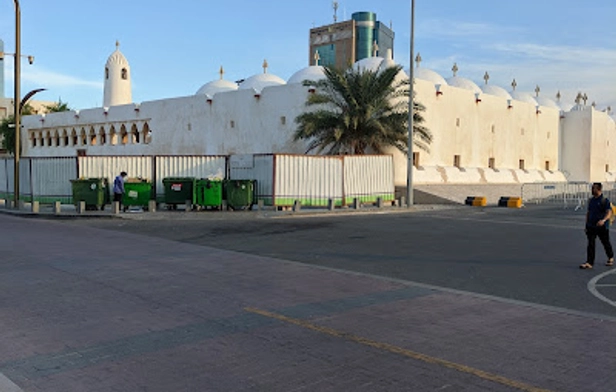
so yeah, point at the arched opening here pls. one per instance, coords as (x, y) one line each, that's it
(74, 138)
(124, 74)
(146, 134)
(64, 138)
(123, 134)
(134, 134)
(102, 138)
(83, 137)
(32, 139)
(48, 139)
(113, 137)
(106, 73)
(92, 137)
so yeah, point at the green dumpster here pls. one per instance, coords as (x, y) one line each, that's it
(93, 191)
(178, 190)
(137, 193)
(240, 194)
(209, 193)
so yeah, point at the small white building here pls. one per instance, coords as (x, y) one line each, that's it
(481, 134)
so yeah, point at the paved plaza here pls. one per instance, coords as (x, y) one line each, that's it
(443, 299)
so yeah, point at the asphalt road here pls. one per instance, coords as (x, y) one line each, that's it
(530, 254)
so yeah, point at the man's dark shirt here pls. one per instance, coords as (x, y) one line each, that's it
(597, 209)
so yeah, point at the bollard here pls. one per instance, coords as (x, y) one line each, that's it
(35, 207)
(81, 208)
(356, 203)
(297, 205)
(189, 205)
(260, 204)
(22, 205)
(403, 202)
(379, 202)
(152, 206)
(330, 204)
(225, 206)
(57, 207)
(115, 207)
(8, 204)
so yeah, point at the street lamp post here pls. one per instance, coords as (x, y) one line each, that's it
(409, 164)
(16, 101)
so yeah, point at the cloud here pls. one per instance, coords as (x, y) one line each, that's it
(48, 79)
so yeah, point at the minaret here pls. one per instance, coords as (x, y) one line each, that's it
(117, 80)
(1, 70)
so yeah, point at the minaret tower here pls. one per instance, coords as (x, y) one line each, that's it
(117, 80)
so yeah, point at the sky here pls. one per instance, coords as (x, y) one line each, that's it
(174, 47)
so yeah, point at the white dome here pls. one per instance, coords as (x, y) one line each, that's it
(524, 97)
(217, 86)
(429, 76)
(260, 81)
(496, 91)
(314, 73)
(369, 64)
(117, 59)
(547, 103)
(464, 83)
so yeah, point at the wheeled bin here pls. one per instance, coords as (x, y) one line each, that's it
(93, 191)
(137, 192)
(209, 193)
(178, 190)
(239, 194)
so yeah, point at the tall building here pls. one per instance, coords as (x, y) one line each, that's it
(344, 43)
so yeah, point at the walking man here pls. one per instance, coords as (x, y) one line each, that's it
(597, 225)
(118, 188)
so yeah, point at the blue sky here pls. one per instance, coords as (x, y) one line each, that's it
(174, 47)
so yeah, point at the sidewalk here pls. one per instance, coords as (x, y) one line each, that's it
(175, 316)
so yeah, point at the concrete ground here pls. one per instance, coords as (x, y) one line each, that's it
(447, 299)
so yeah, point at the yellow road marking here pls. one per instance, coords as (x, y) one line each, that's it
(401, 351)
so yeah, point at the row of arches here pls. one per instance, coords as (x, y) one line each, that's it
(91, 136)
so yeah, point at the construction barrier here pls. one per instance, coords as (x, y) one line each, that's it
(476, 201)
(510, 202)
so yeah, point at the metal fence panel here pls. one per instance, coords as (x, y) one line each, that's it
(4, 178)
(312, 180)
(259, 167)
(51, 179)
(109, 167)
(189, 166)
(24, 178)
(368, 178)
(565, 194)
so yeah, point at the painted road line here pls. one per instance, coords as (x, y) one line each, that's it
(605, 285)
(7, 385)
(592, 287)
(400, 351)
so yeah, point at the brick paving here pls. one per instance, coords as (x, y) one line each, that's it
(84, 309)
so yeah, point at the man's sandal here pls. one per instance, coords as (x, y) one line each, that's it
(610, 263)
(585, 266)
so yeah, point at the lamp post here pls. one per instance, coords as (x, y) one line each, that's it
(16, 102)
(409, 163)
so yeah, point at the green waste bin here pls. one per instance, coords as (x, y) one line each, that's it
(209, 193)
(178, 190)
(93, 191)
(240, 194)
(137, 193)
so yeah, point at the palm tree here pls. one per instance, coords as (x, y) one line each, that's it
(57, 107)
(357, 111)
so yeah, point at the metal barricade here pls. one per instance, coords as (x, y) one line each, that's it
(565, 194)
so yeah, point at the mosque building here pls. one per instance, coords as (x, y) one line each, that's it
(481, 134)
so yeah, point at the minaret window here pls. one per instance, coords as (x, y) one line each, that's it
(106, 73)
(124, 74)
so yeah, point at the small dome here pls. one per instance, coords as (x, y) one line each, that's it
(314, 73)
(464, 83)
(117, 58)
(524, 97)
(429, 76)
(260, 81)
(369, 64)
(496, 91)
(217, 86)
(547, 103)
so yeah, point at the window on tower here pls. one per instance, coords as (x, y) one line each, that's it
(124, 74)
(106, 73)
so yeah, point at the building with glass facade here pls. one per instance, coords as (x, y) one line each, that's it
(344, 43)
